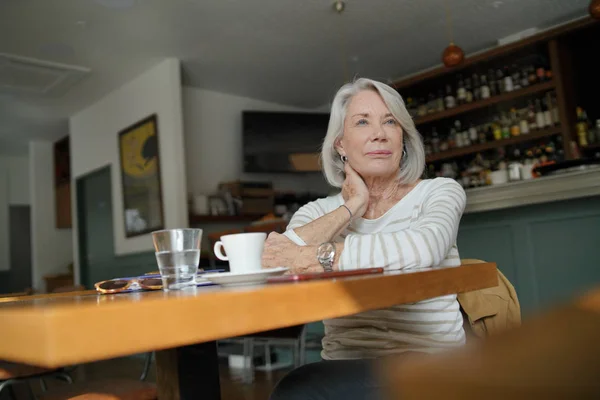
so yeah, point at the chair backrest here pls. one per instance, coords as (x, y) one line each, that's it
(71, 288)
(267, 227)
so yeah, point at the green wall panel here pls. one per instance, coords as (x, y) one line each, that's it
(550, 252)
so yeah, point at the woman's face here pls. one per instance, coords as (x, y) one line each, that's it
(372, 138)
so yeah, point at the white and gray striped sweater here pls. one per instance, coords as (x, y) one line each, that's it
(419, 231)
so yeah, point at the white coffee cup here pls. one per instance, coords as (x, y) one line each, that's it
(244, 251)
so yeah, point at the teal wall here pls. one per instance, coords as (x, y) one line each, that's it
(550, 252)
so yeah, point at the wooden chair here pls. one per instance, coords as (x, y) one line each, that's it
(67, 289)
(108, 389)
(267, 227)
(553, 355)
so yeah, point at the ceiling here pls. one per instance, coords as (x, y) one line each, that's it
(291, 52)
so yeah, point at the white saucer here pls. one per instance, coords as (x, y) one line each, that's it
(243, 278)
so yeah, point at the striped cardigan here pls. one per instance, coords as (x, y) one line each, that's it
(418, 231)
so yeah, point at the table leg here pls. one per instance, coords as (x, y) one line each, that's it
(188, 372)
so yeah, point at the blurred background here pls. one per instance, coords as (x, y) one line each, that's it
(119, 117)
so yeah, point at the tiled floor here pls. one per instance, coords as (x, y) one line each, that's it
(232, 387)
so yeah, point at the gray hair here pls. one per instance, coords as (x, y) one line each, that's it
(412, 164)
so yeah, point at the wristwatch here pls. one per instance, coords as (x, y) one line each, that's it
(326, 255)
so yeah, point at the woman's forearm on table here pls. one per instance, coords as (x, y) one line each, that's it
(325, 228)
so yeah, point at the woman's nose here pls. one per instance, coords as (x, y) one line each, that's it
(379, 134)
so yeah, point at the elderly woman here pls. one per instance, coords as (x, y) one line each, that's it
(385, 216)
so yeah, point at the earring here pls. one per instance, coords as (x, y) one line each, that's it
(404, 153)
(343, 158)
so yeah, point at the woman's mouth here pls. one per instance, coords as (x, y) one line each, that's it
(379, 153)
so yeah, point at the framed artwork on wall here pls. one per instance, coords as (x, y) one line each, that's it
(140, 177)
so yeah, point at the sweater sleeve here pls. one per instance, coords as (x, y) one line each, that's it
(306, 214)
(425, 244)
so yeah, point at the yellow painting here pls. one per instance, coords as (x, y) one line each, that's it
(140, 174)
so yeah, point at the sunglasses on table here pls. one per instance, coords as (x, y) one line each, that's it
(149, 281)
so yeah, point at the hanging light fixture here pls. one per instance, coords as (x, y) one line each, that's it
(594, 9)
(339, 6)
(453, 55)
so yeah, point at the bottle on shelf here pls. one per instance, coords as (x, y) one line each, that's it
(485, 89)
(523, 122)
(554, 109)
(540, 121)
(468, 91)
(524, 77)
(422, 109)
(497, 128)
(439, 101)
(582, 127)
(431, 104)
(473, 134)
(492, 83)
(481, 133)
(516, 77)
(540, 73)
(547, 112)
(508, 80)
(515, 129)
(500, 81)
(435, 141)
(594, 134)
(531, 119)
(449, 100)
(532, 75)
(505, 126)
(461, 92)
(476, 87)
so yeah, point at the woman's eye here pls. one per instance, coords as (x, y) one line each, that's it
(361, 122)
(391, 122)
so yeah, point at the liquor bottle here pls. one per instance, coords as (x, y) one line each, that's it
(547, 112)
(532, 76)
(516, 77)
(461, 93)
(582, 127)
(524, 124)
(411, 107)
(439, 102)
(468, 91)
(485, 89)
(531, 116)
(508, 80)
(539, 115)
(450, 101)
(497, 128)
(473, 135)
(594, 134)
(540, 73)
(422, 110)
(554, 110)
(459, 136)
(435, 141)
(505, 126)
(499, 81)
(476, 87)
(524, 77)
(515, 129)
(431, 104)
(492, 83)
(481, 133)
(452, 139)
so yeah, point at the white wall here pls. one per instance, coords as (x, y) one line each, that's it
(213, 142)
(51, 248)
(94, 144)
(14, 190)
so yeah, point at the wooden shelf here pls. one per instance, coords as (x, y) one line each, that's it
(465, 108)
(500, 51)
(461, 151)
(199, 219)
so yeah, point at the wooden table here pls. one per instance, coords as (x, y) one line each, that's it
(59, 330)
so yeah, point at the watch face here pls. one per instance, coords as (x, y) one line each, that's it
(326, 252)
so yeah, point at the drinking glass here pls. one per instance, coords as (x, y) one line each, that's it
(178, 256)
